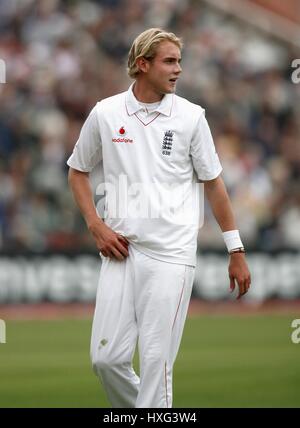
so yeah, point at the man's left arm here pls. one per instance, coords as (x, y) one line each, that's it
(218, 198)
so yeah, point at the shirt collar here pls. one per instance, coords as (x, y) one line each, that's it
(133, 106)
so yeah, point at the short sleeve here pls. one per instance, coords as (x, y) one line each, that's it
(202, 150)
(88, 149)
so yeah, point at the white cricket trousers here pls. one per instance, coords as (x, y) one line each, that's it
(146, 300)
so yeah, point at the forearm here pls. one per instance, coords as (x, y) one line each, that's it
(82, 192)
(219, 201)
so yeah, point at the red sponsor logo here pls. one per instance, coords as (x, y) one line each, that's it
(122, 132)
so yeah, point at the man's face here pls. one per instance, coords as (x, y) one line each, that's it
(163, 70)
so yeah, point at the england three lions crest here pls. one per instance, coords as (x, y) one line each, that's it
(167, 143)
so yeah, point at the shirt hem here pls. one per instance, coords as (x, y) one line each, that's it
(212, 176)
(162, 258)
(77, 167)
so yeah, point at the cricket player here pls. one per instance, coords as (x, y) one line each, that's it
(149, 144)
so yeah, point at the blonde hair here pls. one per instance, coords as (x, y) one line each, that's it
(145, 45)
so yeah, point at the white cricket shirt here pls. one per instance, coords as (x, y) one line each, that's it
(152, 161)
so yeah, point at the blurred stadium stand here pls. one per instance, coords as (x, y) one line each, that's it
(63, 56)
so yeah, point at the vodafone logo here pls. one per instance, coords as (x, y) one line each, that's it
(121, 140)
(122, 132)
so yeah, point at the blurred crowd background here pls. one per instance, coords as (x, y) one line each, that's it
(63, 56)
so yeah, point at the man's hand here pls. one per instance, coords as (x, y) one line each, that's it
(108, 242)
(239, 272)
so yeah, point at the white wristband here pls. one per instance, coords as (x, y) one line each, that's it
(232, 240)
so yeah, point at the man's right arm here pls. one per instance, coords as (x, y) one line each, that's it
(108, 242)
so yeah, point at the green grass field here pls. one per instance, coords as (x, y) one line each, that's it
(223, 362)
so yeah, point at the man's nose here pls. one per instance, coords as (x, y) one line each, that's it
(178, 68)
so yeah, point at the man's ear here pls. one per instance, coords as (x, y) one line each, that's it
(143, 64)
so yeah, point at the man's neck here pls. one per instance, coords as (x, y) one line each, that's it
(145, 94)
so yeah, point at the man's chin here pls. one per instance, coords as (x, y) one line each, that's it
(170, 90)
